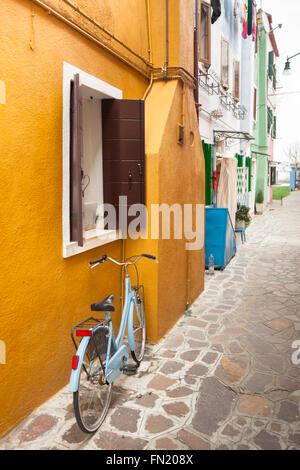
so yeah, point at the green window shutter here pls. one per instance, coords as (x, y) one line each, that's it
(271, 57)
(207, 150)
(270, 119)
(274, 130)
(274, 77)
(271, 64)
(249, 166)
(273, 176)
(240, 159)
(272, 69)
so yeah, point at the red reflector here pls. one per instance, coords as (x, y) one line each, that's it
(82, 333)
(75, 361)
(215, 180)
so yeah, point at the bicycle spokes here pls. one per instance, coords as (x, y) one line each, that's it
(92, 400)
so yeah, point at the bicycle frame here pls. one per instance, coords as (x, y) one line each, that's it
(127, 316)
(120, 357)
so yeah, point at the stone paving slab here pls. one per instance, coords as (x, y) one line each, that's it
(222, 378)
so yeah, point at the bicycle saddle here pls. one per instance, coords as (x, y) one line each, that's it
(105, 306)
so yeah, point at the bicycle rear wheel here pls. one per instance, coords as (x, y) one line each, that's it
(92, 400)
(139, 331)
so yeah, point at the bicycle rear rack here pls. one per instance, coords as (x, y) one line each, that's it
(87, 325)
(98, 330)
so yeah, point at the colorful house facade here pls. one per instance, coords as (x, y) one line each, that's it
(226, 96)
(273, 55)
(266, 53)
(64, 57)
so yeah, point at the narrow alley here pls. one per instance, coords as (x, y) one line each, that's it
(223, 378)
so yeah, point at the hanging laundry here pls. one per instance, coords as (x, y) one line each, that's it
(245, 22)
(250, 17)
(254, 22)
(216, 5)
(238, 10)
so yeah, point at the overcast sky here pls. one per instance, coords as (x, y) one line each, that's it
(286, 12)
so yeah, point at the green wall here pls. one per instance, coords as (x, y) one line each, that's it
(207, 150)
(260, 146)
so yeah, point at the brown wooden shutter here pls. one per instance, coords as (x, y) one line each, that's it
(123, 130)
(76, 229)
(199, 29)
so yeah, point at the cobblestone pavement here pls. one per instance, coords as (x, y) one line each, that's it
(223, 378)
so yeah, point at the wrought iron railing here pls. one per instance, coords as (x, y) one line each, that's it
(212, 85)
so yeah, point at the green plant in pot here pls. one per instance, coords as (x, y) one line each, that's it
(243, 218)
(260, 202)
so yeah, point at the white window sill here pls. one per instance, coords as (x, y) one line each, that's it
(92, 239)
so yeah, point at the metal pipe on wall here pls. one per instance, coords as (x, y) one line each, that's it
(167, 38)
(76, 8)
(73, 24)
(149, 47)
(149, 31)
(148, 71)
(196, 57)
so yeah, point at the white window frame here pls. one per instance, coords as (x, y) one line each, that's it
(237, 96)
(204, 60)
(224, 84)
(92, 238)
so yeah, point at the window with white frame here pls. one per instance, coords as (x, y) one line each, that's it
(236, 80)
(225, 63)
(204, 33)
(85, 180)
(103, 160)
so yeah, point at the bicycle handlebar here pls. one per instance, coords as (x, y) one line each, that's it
(96, 262)
(100, 260)
(149, 256)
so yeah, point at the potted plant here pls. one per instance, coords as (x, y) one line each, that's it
(260, 203)
(242, 217)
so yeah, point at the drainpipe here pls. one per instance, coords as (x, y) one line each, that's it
(149, 29)
(150, 47)
(167, 39)
(196, 59)
(94, 38)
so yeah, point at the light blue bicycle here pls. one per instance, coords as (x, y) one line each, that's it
(100, 357)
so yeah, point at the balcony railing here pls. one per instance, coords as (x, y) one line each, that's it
(211, 84)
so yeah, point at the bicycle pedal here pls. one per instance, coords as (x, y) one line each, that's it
(129, 369)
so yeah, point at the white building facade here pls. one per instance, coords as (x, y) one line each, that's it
(227, 99)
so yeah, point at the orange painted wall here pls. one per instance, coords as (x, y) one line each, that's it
(42, 294)
(181, 176)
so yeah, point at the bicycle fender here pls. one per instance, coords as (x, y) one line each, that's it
(75, 374)
(130, 328)
(116, 362)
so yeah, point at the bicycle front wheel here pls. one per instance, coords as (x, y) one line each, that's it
(139, 331)
(92, 400)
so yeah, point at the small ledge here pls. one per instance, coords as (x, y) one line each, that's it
(92, 239)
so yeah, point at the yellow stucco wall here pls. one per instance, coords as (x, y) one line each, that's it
(42, 294)
(180, 175)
